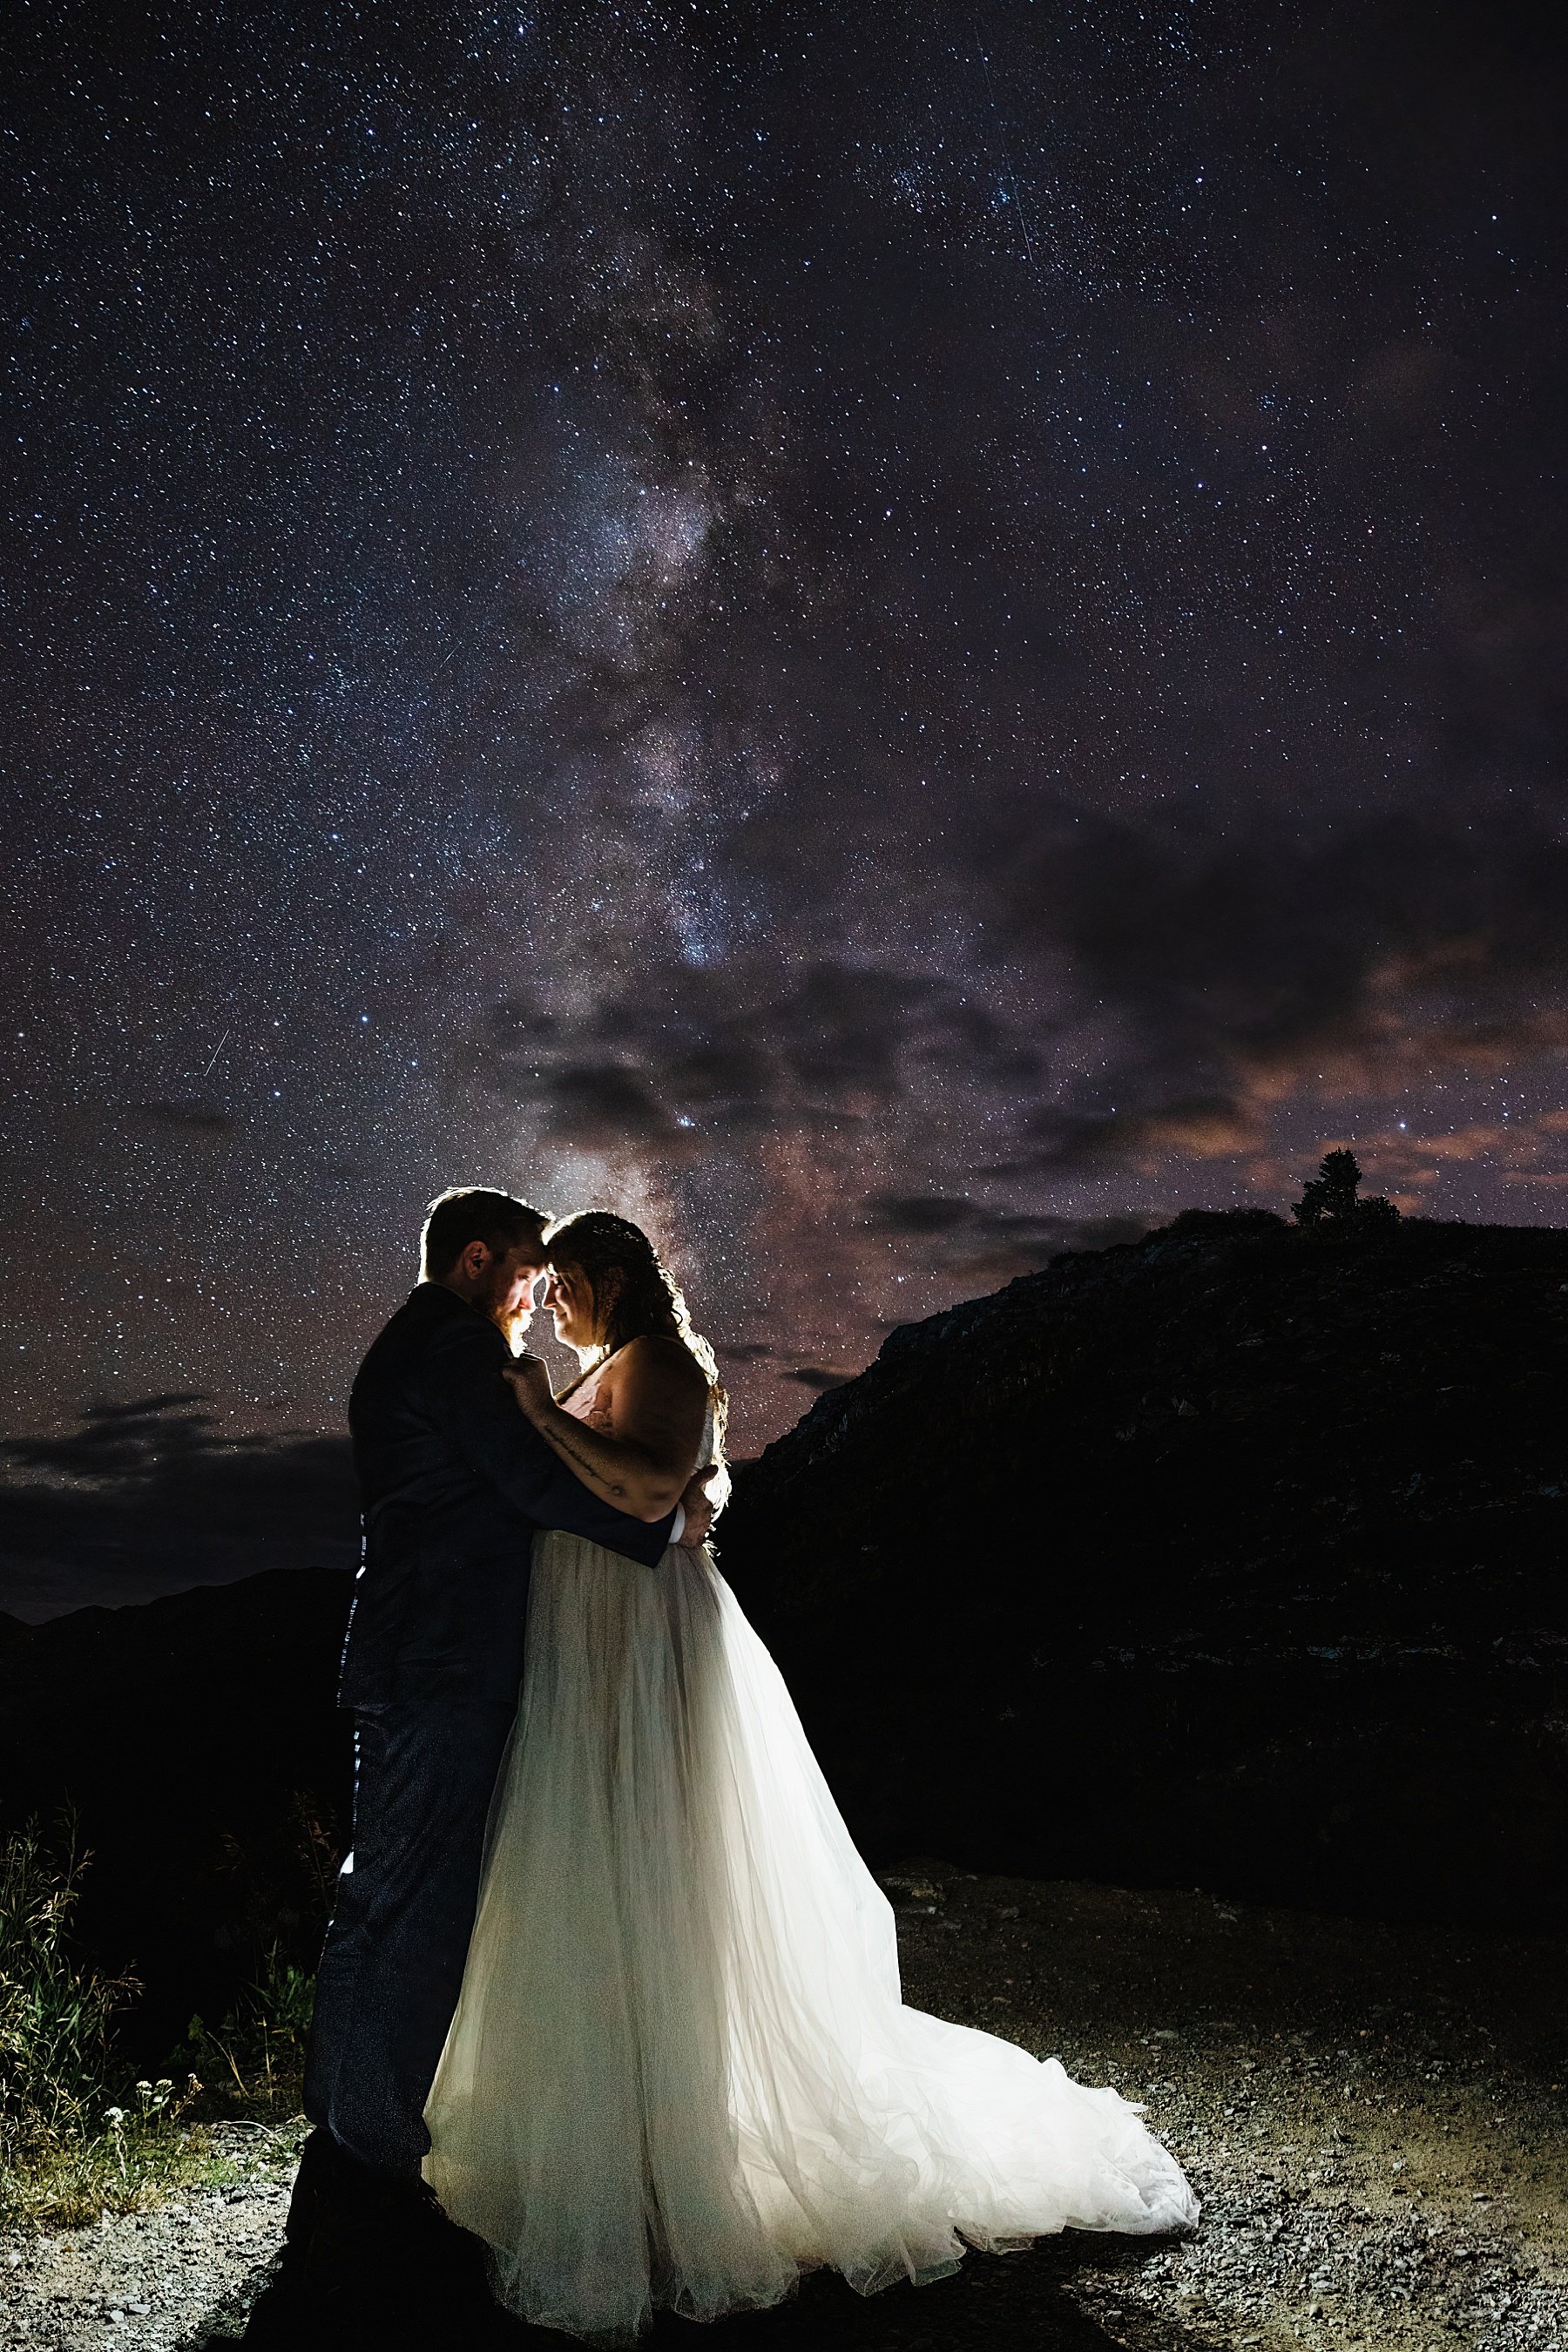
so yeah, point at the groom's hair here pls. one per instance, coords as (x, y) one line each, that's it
(468, 1213)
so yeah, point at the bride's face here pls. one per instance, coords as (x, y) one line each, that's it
(570, 1303)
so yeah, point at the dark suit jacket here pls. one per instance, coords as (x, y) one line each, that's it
(454, 1483)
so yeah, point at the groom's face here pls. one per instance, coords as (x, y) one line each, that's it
(508, 1295)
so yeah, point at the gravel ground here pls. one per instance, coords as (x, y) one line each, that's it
(162, 2279)
(1373, 2116)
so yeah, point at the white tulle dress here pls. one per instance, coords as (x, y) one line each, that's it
(680, 2071)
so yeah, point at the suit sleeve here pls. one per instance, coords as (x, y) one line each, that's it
(476, 1413)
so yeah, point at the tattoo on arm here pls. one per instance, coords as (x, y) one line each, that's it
(563, 1444)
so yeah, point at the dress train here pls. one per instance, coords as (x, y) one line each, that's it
(681, 2071)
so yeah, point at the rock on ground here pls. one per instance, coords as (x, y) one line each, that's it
(1374, 2117)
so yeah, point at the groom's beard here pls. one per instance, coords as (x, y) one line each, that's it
(511, 1322)
(514, 1328)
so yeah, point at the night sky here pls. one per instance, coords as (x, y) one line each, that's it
(891, 637)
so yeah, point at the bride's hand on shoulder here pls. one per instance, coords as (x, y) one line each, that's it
(697, 1506)
(706, 1494)
(528, 1380)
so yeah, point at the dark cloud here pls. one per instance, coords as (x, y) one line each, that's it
(516, 1024)
(839, 1032)
(1250, 963)
(1205, 1126)
(917, 1212)
(119, 1442)
(146, 1497)
(821, 1376)
(1264, 946)
(726, 1050)
(606, 1107)
(192, 1118)
(731, 1078)
(1001, 1244)
(977, 1242)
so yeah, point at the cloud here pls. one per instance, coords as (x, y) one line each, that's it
(730, 1077)
(937, 1216)
(1230, 971)
(144, 1497)
(604, 1107)
(1203, 1127)
(839, 1030)
(917, 1212)
(724, 1052)
(978, 1243)
(1001, 1244)
(118, 1442)
(194, 1117)
(821, 1376)
(1226, 973)
(1126, 1030)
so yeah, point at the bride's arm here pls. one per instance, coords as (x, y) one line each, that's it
(659, 1404)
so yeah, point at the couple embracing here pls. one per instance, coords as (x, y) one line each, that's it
(606, 1983)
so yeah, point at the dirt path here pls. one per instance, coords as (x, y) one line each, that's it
(1375, 2119)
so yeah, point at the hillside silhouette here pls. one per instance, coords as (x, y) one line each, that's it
(1231, 1557)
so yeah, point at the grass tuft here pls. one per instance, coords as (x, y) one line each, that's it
(76, 2142)
(254, 2063)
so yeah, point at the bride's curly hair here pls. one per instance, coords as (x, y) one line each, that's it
(595, 1243)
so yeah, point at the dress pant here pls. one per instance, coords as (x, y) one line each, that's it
(392, 1968)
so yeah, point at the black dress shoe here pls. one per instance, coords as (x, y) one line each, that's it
(319, 2162)
(389, 2239)
(367, 2250)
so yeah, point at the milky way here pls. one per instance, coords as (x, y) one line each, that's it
(892, 638)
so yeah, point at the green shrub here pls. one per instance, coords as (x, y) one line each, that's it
(55, 2015)
(254, 2063)
(75, 2142)
(69, 2151)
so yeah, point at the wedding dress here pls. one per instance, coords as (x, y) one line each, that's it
(680, 2071)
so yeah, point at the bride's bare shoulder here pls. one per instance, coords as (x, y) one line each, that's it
(652, 1357)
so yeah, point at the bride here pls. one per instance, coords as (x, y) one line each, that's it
(680, 2072)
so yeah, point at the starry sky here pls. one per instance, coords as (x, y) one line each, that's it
(892, 638)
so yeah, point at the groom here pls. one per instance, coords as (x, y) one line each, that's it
(454, 1483)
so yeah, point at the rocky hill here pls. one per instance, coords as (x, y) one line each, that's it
(1236, 1557)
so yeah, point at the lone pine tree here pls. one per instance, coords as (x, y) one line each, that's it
(1330, 1197)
